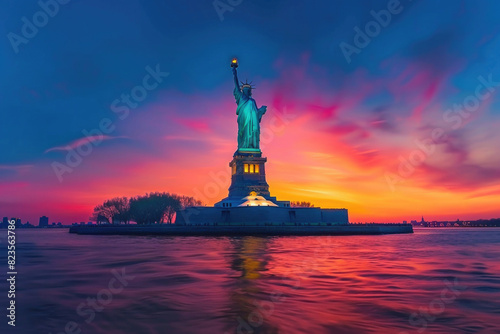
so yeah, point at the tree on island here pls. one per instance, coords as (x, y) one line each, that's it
(301, 204)
(187, 201)
(99, 219)
(154, 208)
(148, 209)
(115, 209)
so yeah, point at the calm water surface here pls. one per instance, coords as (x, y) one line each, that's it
(433, 281)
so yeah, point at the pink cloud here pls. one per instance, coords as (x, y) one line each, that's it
(200, 125)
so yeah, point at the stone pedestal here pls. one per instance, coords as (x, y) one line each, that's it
(248, 174)
(248, 182)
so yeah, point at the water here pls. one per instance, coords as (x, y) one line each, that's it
(433, 281)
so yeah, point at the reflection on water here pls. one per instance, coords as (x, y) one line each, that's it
(434, 281)
(250, 311)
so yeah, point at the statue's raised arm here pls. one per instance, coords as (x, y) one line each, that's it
(236, 82)
(234, 66)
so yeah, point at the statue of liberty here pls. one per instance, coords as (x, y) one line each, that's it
(249, 115)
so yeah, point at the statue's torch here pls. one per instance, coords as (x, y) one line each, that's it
(234, 63)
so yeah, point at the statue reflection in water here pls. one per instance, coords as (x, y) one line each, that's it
(252, 308)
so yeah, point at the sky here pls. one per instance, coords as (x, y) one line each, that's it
(389, 109)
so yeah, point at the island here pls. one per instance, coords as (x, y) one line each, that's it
(249, 208)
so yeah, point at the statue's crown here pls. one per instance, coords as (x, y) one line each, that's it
(247, 84)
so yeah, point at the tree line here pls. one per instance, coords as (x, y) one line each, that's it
(301, 204)
(151, 208)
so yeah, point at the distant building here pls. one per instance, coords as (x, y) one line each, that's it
(5, 222)
(43, 222)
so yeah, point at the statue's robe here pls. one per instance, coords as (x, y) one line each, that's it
(249, 117)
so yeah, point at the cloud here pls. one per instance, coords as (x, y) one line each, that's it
(10, 171)
(199, 125)
(82, 141)
(15, 167)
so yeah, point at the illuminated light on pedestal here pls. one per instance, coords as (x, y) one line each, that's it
(253, 200)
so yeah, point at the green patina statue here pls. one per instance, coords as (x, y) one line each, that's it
(249, 115)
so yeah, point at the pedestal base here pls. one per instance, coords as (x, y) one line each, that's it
(248, 179)
(248, 175)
